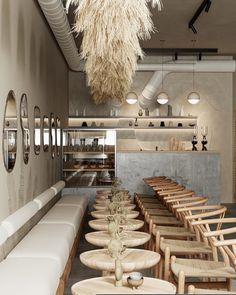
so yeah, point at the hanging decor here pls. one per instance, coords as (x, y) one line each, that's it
(110, 46)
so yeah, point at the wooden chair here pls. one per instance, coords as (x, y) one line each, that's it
(174, 232)
(187, 248)
(193, 290)
(216, 273)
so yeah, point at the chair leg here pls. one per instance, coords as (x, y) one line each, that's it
(160, 268)
(167, 263)
(181, 282)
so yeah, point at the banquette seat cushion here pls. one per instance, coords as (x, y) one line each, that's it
(71, 215)
(29, 276)
(73, 200)
(52, 241)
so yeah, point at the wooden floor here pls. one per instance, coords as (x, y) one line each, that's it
(81, 272)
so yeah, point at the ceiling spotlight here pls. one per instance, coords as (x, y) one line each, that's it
(162, 98)
(193, 98)
(131, 98)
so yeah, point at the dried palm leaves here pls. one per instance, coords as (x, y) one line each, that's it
(111, 32)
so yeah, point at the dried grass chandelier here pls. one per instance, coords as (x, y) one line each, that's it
(110, 47)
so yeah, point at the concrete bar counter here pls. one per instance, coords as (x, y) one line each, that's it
(198, 170)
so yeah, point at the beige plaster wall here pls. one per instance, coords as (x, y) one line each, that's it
(31, 63)
(214, 110)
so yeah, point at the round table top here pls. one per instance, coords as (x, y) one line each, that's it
(102, 224)
(108, 196)
(107, 201)
(105, 213)
(129, 239)
(105, 285)
(105, 206)
(131, 259)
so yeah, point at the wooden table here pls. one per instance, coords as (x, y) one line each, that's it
(100, 214)
(131, 259)
(105, 206)
(102, 224)
(130, 238)
(105, 285)
(107, 201)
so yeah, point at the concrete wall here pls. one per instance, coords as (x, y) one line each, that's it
(214, 110)
(31, 63)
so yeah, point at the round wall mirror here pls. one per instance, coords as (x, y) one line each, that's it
(58, 126)
(45, 133)
(24, 121)
(9, 143)
(37, 130)
(53, 135)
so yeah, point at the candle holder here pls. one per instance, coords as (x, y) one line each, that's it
(194, 143)
(204, 131)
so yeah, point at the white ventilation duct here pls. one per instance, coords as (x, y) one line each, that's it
(147, 98)
(57, 19)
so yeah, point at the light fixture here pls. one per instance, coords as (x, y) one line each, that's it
(162, 97)
(193, 97)
(131, 98)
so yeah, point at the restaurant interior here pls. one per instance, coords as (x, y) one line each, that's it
(118, 157)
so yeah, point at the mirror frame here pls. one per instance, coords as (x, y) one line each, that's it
(10, 95)
(58, 130)
(45, 147)
(37, 151)
(25, 130)
(53, 131)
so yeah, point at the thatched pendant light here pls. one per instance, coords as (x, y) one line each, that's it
(110, 47)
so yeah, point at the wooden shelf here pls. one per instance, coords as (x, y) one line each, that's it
(91, 153)
(133, 117)
(130, 128)
(88, 169)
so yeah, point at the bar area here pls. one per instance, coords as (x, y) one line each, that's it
(118, 159)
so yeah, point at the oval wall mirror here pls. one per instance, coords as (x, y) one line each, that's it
(53, 135)
(24, 121)
(45, 133)
(58, 125)
(9, 143)
(37, 130)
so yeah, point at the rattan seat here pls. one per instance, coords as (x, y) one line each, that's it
(198, 268)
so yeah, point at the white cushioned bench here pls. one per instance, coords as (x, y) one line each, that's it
(29, 276)
(40, 262)
(71, 215)
(73, 200)
(53, 241)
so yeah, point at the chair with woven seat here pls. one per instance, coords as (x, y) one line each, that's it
(177, 233)
(218, 273)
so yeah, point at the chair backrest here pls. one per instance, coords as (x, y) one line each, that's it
(202, 213)
(217, 237)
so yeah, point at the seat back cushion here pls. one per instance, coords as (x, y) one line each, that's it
(44, 198)
(16, 220)
(57, 187)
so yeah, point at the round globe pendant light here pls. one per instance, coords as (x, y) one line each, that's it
(193, 97)
(131, 98)
(162, 98)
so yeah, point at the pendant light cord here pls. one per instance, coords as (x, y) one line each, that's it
(193, 42)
